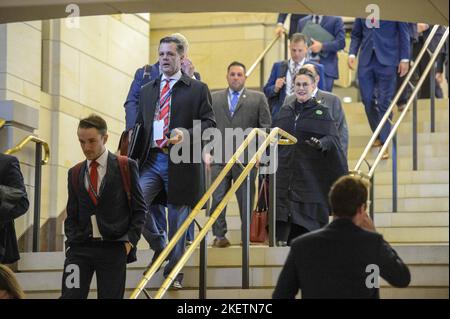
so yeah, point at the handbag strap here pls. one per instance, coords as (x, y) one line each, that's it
(263, 189)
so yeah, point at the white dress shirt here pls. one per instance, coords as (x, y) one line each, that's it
(102, 161)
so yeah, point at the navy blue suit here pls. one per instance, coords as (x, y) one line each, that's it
(380, 51)
(279, 70)
(328, 54)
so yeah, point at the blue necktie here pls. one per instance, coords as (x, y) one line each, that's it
(233, 102)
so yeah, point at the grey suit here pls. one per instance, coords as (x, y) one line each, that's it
(251, 111)
(333, 103)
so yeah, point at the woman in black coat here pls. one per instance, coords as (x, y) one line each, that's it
(307, 169)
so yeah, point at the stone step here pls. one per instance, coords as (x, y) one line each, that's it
(406, 164)
(437, 138)
(424, 151)
(362, 128)
(264, 293)
(384, 205)
(263, 256)
(400, 219)
(229, 277)
(438, 234)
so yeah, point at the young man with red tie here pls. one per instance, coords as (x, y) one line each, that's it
(105, 216)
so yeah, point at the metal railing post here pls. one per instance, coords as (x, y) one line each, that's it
(246, 238)
(432, 98)
(37, 197)
(372, 198)
(394, 174)
(203, 267)
(273, 199)
(414, 140)
(286, 46)
(261, 74)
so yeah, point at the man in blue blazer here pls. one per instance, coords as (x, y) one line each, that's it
(280, 83)
(384, 51)
(327, 51)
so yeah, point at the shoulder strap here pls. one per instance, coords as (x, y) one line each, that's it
(75, 176)
(126, 178)
(147, 69)
(284, 67)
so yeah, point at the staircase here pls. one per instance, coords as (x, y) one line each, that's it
(419, 231)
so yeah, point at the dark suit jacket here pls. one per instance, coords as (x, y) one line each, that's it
(331, 263)
(251, 111)
(116, 221)
(328, 56)
(10, 176)
(190, 101)
(390, 42)
(279, 70)
(132, 102)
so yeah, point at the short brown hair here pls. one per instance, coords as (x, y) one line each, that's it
(9, 283)
(94, 121)
(347, 194)
(298, 37)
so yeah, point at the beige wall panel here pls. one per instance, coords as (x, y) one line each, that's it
(24, 52)
(91, 37)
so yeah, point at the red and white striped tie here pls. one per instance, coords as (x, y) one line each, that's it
(164, 112)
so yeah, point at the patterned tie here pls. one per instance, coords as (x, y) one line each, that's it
(164, 106)
(294, 71)
(233, 102)
(93, 177)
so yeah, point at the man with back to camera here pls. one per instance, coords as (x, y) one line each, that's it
(341, 260)
(104, 217)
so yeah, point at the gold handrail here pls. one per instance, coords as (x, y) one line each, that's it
(2, 123)
(262, 55)
(25, 141)
(394, 102)
(289, 139)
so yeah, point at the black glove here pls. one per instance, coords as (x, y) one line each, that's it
(315, 143)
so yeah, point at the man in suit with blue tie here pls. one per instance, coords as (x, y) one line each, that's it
(325, 53)
(384, 51)
(280, 83)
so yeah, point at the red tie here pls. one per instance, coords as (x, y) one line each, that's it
(93, 176)
(164, 105)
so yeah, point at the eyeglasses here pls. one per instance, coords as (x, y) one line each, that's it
(303, 85)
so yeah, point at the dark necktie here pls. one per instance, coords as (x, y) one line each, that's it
(93, 177)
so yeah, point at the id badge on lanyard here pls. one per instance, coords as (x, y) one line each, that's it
(158, 125)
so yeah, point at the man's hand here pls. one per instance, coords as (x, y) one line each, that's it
(316, 46)
(366, 223)
(351, 62)
(440, 78)
(188, 67)
(176, 136)
(403, 68)
(128, 247)
(207, 159)
(279, 83)
(315, 143)
(421, 27)
(279, 30)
